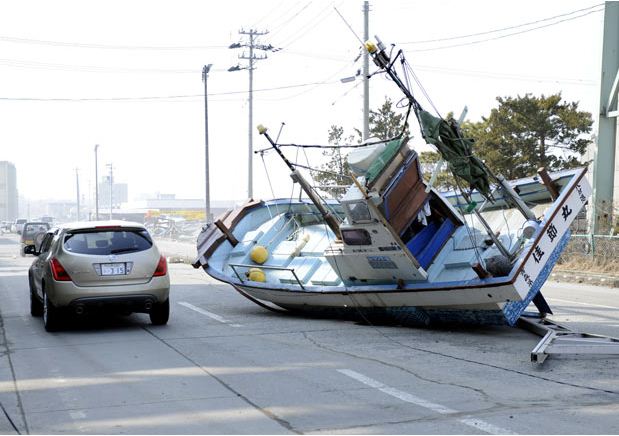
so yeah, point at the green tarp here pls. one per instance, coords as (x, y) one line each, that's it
(456, 150)
(383, 160)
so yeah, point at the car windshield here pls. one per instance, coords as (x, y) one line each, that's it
(107, 242)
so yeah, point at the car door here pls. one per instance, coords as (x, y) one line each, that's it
(41, 261)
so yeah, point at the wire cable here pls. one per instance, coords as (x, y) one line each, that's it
(506, 35)
(487, 32)
(19, 40)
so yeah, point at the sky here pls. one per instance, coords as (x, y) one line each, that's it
(127, 75)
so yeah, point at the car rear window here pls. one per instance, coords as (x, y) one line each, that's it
(107, 242)
(33, 228)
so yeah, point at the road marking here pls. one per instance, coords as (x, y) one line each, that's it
(584, 304)
(209, 314)
(8, 271)
(478, 424)
(77, 414)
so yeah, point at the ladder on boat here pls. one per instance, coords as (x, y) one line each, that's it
(559, 339)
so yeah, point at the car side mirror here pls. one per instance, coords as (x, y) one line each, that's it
(31, 249)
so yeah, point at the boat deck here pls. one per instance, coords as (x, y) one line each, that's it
(294, 263)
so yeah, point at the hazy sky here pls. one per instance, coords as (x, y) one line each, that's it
(127, 75)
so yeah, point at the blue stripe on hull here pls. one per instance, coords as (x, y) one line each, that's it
(514, 309)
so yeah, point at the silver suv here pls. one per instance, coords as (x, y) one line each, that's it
(84, 266)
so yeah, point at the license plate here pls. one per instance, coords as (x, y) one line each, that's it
(113, 269)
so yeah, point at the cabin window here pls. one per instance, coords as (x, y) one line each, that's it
(359, 212)
(356, 237)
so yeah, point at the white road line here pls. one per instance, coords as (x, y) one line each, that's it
(583, 304)
(209, 314)
(77, 414)
(478, 424)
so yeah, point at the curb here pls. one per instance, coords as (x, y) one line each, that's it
(587, 278)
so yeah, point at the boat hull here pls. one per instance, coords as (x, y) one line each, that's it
(443, 297)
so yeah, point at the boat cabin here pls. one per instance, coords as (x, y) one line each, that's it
(394, 226)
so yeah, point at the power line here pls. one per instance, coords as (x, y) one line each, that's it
(265, 16)
(161, 97)
(18, 63)
(288, 20)
(501, 29)
(327, 81)
(496, 75)
(308, 26)
(506, 35)
(19, 40)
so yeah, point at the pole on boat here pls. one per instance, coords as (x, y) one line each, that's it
(329, 218)
(383, 61)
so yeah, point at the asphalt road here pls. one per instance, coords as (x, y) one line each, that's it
(225, 366)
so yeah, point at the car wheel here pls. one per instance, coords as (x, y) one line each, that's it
(160, 313)
(36, 307)
(50, 314)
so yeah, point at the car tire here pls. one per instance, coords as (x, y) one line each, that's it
(50, 315)
(36, 306)
(160, 313)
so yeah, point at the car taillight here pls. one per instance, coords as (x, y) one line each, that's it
(60, 274)
(162, 268)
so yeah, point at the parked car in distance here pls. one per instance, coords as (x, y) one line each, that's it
(86, 266)
(19, 225)
(31, 232)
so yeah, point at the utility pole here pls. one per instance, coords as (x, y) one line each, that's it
(604, 161)
(96, 184)
(366, 72)
(251, 58)
(207, 195)
(77, 184)
(111, 167)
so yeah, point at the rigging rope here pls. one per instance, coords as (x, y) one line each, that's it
(270, 185)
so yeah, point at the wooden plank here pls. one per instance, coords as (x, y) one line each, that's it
(548, 182)
(226, 231)
(211, 238)
(409, 208)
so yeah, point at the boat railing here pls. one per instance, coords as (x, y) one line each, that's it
(234, 267)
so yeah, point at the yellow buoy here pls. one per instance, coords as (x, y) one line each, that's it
(256, 275)
(259, 254)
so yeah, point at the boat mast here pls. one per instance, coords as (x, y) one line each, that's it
(296, 176)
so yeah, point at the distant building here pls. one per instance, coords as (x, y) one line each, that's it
(169, 205)
(120, 194)
(8, 192)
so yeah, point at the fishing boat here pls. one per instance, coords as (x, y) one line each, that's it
(394, 244)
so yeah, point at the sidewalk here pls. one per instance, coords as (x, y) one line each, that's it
(176, 251)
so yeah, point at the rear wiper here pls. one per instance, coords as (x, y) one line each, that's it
(123, 250)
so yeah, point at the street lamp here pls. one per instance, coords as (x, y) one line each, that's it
(207, 196)
(96, 184)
